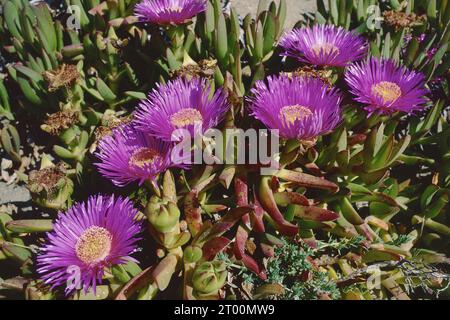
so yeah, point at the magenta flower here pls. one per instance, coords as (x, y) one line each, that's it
(324, 45)
(130, 155)
(386, 87)
(299, 107)
(164, 12)
(181, 104)
(87, 239)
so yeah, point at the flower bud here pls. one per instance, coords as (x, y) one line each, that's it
(209, 276)
(192, 254)
(162, 214)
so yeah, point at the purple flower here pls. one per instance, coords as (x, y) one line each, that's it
(299, 107)
(130, 155)
(386, 87)
(422, 37)
(165, 12)
(88, 238)
(181, 104)
(324, 45)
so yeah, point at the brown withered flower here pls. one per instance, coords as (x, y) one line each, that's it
(307, 71)
(204, 68)
(59, 121)
(399, 20)
(64, 76)
(48, 180)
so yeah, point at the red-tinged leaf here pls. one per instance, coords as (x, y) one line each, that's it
(366, 231)
(311, 242)
(193, 212)
(228, 220)
(318, 214)
(253, 266)
(268, 250)
(378, 223)
(267, 201)
(286, 198)
(358, 138)
(287, 228)
(274, 184)
(214, 246)
(313, 168)
(135, 284)
(306, 180)
(257, 217)
(239, 243)
(241, 192)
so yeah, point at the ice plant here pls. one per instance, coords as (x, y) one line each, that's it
(298, 107)
(181, 104)
(164, 12)
(324, 45)
(385, 87)
(130, 155)
(90, 237)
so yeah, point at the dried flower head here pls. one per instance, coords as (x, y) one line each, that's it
(64, 76)
(203, 69)
(400, 20)
(50, 187)
(310, 72)
(59, 121)
(47, 179)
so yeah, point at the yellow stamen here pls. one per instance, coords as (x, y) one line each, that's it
(295, 112)
(93, 245)
(186, 117)
(144, 156)
(387, 91)
(326, 48)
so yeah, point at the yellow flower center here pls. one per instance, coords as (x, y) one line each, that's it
(144, 156)
(186, 117)
(93, 245)
(295, 112)
(326, 48)
(387, 91)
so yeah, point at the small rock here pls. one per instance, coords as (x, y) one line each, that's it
(13, 193)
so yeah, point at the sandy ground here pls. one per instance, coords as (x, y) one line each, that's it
(294, 8)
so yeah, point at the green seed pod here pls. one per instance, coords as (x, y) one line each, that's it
(162, 214)
(209, 276)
